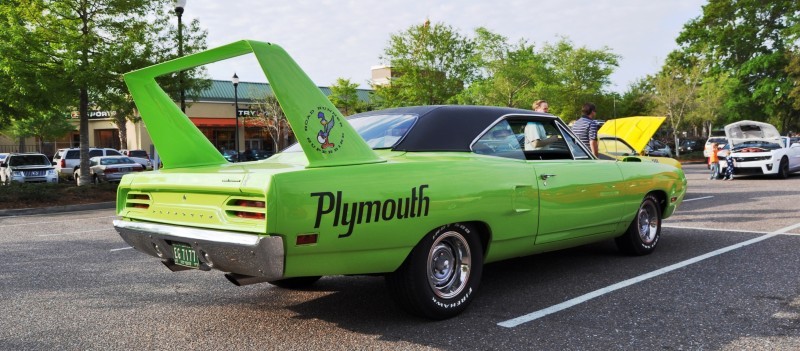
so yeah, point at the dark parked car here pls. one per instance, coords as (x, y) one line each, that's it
(656, 148)
(690, 145)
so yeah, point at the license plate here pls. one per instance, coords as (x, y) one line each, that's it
(125, 169)
(184, 255)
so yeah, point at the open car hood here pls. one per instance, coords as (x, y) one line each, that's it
(742, 131)
(636, 131)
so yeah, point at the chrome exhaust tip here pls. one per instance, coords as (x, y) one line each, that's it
(242, 280)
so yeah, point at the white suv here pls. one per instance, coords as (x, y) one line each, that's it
(27, 168)
(67, 161)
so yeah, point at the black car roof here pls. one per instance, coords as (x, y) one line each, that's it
(447, 127)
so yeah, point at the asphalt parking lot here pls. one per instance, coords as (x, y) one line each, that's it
(723, 278)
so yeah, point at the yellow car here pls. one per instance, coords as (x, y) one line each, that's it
(622, 138)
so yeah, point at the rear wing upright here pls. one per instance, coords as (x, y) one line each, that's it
(326, 137)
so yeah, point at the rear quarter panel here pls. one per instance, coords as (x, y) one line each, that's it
(443, 188)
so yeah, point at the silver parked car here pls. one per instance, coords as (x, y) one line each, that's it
(110, 168)
(27, 168)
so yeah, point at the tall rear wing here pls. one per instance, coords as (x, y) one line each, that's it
(326, 137)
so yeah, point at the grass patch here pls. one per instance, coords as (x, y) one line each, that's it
(26, 195)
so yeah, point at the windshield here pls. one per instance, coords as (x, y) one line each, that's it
(757, 143)
(615, 147)
(29, 160)
(379, 131)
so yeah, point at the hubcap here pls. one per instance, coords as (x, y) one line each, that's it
(449, 265)
(648, 222)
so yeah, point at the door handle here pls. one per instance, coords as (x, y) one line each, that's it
(546, 176)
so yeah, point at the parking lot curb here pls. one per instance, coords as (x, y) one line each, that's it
(57, 209)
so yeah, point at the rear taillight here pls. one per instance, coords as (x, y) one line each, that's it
(248, 209)
(110, 170)
(63, 163)
(138, 201)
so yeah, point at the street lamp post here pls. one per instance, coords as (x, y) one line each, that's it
(179, 5)
(235, 81)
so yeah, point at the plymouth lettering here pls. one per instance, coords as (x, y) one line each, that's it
(350, 214)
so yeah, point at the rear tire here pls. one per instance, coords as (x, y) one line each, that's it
(295, 283)
(441, 275)
(644, 232)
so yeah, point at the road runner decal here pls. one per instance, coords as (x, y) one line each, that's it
(350, 214)
(325, 122)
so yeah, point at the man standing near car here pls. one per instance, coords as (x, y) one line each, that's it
(586, 127)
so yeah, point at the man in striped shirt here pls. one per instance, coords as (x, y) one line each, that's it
(586, 127)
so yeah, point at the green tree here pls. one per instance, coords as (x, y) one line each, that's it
(269, 114)
(344, 95)
(710, 106)
(43, 126)
(159, 45)
(78, 49)
(579, 75)
(676, 94)
(748, 39)
(637, 100)
(511, 75)
(431, 64)
(793, 73)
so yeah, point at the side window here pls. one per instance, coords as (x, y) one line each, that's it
(502, 141)
(576, 147)
(72, 154)
(93, 153)
(542, 139)
(112, 153)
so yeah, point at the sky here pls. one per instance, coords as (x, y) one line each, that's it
(345, 38)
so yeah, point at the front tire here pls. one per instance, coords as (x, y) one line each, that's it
(783, 169)
(644, 232)
(441, 275)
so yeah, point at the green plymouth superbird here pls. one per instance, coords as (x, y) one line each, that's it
(423, 195)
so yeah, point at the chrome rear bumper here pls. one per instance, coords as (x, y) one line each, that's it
(244, 254)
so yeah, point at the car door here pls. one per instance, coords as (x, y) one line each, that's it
(793, 152)
(578, 194)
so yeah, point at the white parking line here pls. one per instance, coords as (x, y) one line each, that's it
(124, 248)
(714, 229)
(511, 323)
(85, 231)
(697, 198)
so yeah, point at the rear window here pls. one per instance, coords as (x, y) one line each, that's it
(115, 161)
(379, 131)
(72, 154)
(137, 153)
(717, 140)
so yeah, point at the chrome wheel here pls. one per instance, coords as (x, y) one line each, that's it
(644, 231)
(648, 222)
(449, 264)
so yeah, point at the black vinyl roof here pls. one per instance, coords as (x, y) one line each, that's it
(447, 127)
